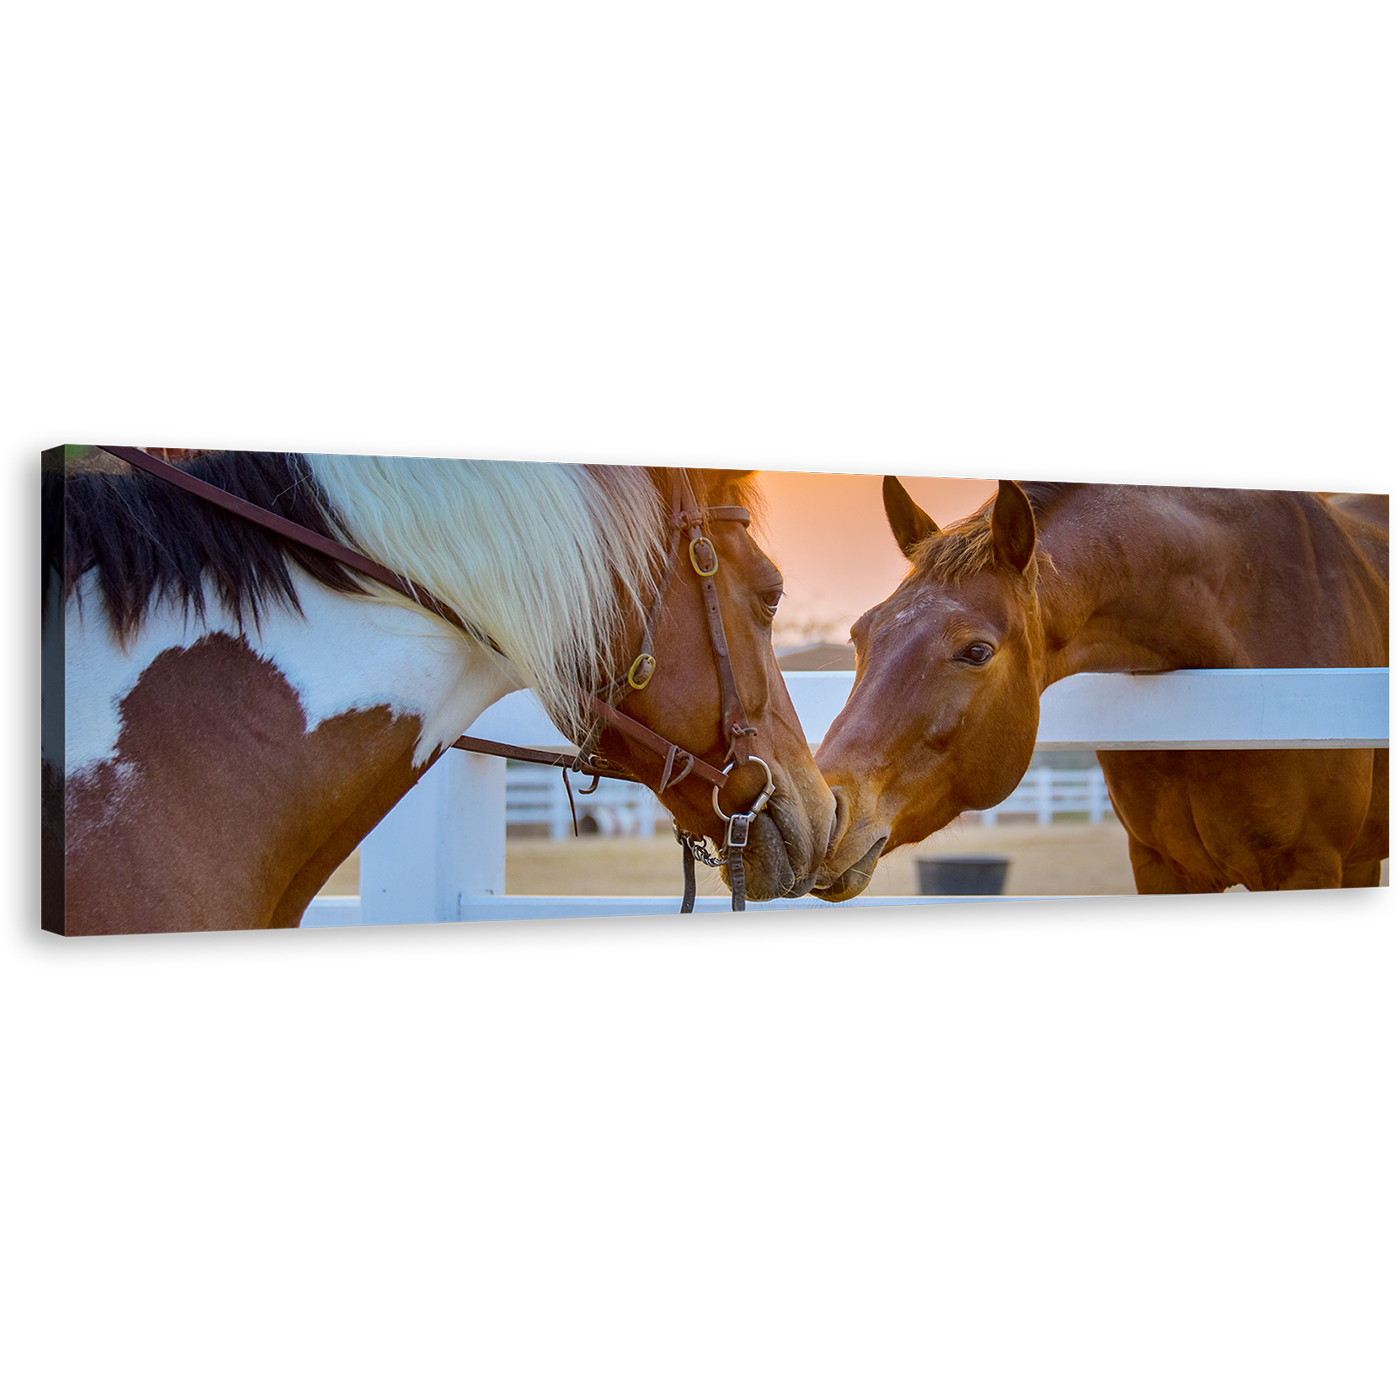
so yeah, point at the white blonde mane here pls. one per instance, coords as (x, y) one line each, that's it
(547, 559)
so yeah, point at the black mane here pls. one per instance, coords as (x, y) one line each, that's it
(149, 541)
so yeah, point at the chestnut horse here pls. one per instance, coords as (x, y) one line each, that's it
(1050, 579)
(240, 710)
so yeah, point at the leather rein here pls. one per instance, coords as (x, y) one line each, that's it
(686, 525)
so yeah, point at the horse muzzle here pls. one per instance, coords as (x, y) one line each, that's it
(855, 848)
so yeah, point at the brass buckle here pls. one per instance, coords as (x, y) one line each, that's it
(648, 671)
(714, 558)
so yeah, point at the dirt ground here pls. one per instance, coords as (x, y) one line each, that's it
(1068, 857)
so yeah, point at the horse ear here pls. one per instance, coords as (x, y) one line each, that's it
(1013, 527)
(910, 525)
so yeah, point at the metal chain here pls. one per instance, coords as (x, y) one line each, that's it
(698, 847)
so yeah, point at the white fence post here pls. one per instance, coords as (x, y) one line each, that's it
(444, 842)
(1098, 796)
(560, 817)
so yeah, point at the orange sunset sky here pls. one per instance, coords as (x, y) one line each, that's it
(828, 534)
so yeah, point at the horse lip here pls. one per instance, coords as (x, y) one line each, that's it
(865, 867)
(866, 864)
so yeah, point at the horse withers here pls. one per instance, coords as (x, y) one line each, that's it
(1051, 579)
(239, 709)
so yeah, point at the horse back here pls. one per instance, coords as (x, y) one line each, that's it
(1365, 520)
(1200, 821)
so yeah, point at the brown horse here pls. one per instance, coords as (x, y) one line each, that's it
(229, 713)
(1054, 579)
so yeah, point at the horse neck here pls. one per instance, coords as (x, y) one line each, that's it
(1156, 579)
(261, 754)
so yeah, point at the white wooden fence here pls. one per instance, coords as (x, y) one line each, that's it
(439, 856)
(1045, 793)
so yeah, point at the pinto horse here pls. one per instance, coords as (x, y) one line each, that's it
(241, 709)
(1050, 579)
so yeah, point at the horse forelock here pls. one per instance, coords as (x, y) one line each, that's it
(963, 549)
(742, 485)
(547, 559)
(954, 553)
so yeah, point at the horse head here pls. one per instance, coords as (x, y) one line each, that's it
(676, 686)
(943, 715)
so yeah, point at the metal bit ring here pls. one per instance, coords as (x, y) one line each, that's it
(759, 804)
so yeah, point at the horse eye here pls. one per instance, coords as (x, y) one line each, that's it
(770, 601)
(978, 654)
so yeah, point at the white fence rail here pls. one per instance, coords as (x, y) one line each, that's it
(440, 854)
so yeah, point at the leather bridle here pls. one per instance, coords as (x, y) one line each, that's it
(685, 526)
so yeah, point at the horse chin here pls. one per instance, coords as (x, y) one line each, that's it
(852, 881)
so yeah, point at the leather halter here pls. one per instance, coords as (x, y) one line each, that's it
(686, 522)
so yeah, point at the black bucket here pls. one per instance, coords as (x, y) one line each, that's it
(962, 874)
